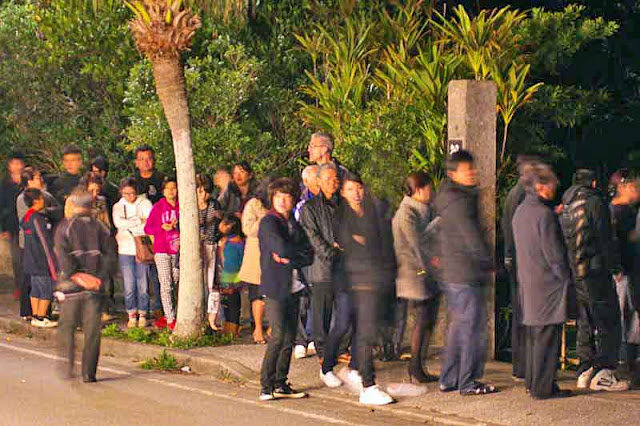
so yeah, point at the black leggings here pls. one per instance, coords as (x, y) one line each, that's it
(426, 317)
(232, 303)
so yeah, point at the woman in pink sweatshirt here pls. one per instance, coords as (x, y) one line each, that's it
(162, 225)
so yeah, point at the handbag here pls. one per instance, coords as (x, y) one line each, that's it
(144, 248)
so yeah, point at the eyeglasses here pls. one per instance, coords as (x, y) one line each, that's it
(129, 193)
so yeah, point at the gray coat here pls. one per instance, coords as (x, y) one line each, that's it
(412, 241)
(543, 267)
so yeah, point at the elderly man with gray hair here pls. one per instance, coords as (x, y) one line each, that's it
(321, 151)
(544, 276)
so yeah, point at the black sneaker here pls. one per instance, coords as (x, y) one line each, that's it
(89, 379)
(266, 395)
(285, 391)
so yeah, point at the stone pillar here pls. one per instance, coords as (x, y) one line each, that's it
(472, 126)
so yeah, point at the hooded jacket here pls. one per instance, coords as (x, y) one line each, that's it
(38, 258)
(464, 256)
(129, 219)
(161, 213)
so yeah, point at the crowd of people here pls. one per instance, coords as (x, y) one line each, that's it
(331, 270)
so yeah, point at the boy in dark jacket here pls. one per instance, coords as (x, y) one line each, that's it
(87, 256)
(38, 259)
(284, 249)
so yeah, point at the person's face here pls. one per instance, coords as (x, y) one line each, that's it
(465, 175)
(225, 227)
(283, 203)
(94, 189)
(170, 191)
(145, 161)
(328, 181)
(96, 171)
(547, 191)
(36, 182)
(222, 179)
(130, 194)
(72, 163)
(353, 192)
(240, 176)
(38, 205)
(316, 149)
(202, 194)
(423, 195)
(311, 182)
(15, 166)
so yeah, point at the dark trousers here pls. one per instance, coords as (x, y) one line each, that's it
(25, 296)
(81, 309)
(543, 350)
(366, 306)
(303, 335)
(599, 333)
(402, 307)
(322, 296)
(518, 331)
(342, 321)
(466, 347)
(283, 316)
(16, 261)
(426, 317)
(232, 304)
(154, 287)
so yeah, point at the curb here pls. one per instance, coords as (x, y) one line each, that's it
(203, 364)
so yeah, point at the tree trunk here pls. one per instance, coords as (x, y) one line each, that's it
(170, 86)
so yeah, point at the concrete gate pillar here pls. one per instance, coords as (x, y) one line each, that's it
(472, 126)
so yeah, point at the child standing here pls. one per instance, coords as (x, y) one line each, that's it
(231, 252)
(38, 258)
(162, 224)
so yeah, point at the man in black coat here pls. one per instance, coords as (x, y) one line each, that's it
(465, 264)
(586, 224)
(10, 187)
(544, 276)
(69, 179)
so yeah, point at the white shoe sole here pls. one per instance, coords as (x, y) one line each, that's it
(330, 383)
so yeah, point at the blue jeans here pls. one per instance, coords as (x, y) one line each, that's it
(155, 282)
(342, 319)
(466, 348)
(136, 284)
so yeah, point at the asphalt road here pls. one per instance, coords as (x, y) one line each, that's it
(32, 392)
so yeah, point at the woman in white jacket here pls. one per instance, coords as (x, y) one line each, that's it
(129, 217)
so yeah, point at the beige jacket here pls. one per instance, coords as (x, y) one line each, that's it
(253, 213)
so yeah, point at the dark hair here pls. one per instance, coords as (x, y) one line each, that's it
(31, 195)
(167, 180)
(584, 177)
(90, 178)
(284, 186)
(100, 163)
(29, 173)
(457, 158)
(262, 191)
(415, 181)
(15, 155)
(128, 182)
(144, 148)
(71, 149)
(244, 165)
(538, 174)
(352, 177)
(236, 224)
(204, 181)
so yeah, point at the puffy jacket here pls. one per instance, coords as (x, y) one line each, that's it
(129, 219)
(316, 217)
(161, 213)
(464, 256)
(38, 258)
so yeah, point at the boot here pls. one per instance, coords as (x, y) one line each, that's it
(231, 328)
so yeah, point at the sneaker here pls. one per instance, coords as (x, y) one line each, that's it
(285, 391)
(142, 321)
(171, 325)
(36, 322)
(584, 379)
(607, 381)
(373, 395)
(311, 349)
(355, 380)
(47, 323)
(330, 379)
(160, 322)
(299, 352)
(133, 322)
(266, 395)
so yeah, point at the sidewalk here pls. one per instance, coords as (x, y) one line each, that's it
(511, 406)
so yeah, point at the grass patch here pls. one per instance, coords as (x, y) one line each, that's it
(227, 376)
(165, 338)
(163, 362)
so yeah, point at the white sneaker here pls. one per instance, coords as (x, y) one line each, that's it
(47, 323)
(355, 381)
(142, 321)
(607, 381)
(133, 322)
(36, 322)
(299, 352)
(311, 349)
(330, 379)
(373, 395)
(584, 379)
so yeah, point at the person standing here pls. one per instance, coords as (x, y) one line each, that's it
(85, 254)
(311, 188)
(544, 276)
(100, 167)
(284, 249)
(130, 214)
(586, 225)
(71, 176)
(465, 264)
(149, 179)
(413, 243)
(10, 187)
(240, 191)
(320, 151)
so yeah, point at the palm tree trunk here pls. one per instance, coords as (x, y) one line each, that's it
(170, 86)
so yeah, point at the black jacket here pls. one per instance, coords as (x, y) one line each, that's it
(84, 244)
(9, 191)
(63, 185)
(38, 258)
(316, 217)
(151, 186)
(232, 200)
(287, 239)
(464, 256)
(544, 274)
(513, 199)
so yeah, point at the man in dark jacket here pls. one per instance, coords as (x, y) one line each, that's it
(87, 256)
(148, 178)
(518, 332)
(10, 187)
(544, 277)
(284, 250)
(316, 217)
(64, 184)
(586, 225)
(465, 264)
